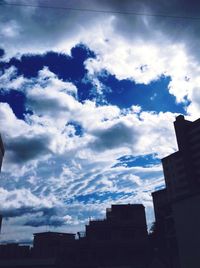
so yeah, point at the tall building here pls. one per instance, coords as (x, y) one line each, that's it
(164, 236)
(182, 168)
(163, 215)
(182, 194)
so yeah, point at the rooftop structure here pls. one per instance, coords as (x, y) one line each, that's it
(52, 244)
(177, 209)
(120, 239)
(122, 223)
(182, 168)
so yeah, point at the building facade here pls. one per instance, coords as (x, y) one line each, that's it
(120, 239)
(52, 244)
(178, 206)
(182, 168)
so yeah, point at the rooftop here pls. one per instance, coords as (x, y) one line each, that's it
(49, 233)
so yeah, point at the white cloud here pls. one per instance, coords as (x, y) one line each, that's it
(108, 133)
(137, 48)
(22, 199)
(66, 167)
(10, 80)
(10, 30)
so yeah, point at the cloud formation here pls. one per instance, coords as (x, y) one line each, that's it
(83, 167)
(65, 141)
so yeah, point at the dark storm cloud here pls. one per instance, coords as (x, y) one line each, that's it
(23, 149)
(118, 135)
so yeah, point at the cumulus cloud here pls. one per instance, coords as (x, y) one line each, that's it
(136, 36)
(82, 167)
(118, 135)
(108, 132)
(22, 201)
(28, 148)
(51, 171)
(10, 80)
(22, 143)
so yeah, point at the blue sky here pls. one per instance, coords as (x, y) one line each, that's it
(87, 105)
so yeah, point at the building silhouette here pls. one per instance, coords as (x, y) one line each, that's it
(182, 168)
(13, 251)
(186, 200)
(177, 208)
(164, 235)
(121, 239)
(52, 244)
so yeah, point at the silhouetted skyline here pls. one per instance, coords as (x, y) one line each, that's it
(121, 238)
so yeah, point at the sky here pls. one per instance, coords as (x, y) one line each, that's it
(87, 105)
